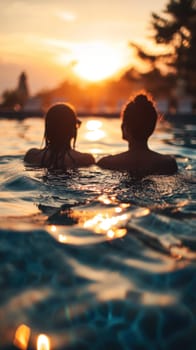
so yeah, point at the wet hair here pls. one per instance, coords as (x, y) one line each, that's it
(61, 125)
(139, 116)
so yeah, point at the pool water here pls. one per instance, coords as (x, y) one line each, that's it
(95, 259)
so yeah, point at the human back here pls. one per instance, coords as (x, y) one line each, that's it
(139, 118)
(61, 127)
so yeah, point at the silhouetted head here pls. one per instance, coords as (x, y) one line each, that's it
(61, 125)
(138, 118)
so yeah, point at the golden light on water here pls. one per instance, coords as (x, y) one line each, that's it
(94, 132)
(103, 223)
(141, 212)
(53, 228)
(159, 299)
(107, 219)
(105, 199)
(95, 151)
(124, 205)
(95, 135)
(93, 124)
(116, 233)
(111, 234)
(118, 210)
(43, 342)
(62, 238)
(21, 338)
(182, 253)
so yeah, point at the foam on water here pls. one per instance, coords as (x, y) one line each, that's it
(95, 259)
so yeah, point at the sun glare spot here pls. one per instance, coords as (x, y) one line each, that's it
(93, 124)
(53, 228)
(95, 135)
(118, 210)
(97, 61)
(106, 224)
(104, 199)
(43, 342)
(62, 238)
(141, 212)
(22, 336)
(94, 132)
(95, 151)
(111, 234)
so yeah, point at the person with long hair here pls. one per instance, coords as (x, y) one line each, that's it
(61, 127)
(139, 117)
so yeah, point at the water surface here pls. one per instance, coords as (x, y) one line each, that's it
(95, 259)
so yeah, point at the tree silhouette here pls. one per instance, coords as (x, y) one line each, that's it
(16, 97)
(176, 29)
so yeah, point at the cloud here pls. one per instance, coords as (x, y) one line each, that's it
(26, 16)
(67, 16)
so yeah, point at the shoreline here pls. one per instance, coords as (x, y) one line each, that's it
(20, 115)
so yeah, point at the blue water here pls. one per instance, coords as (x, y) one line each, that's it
(94, 259)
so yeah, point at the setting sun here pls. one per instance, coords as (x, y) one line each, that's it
(97, 61)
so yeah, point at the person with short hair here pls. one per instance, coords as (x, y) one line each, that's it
(139, 118)
(61, 127)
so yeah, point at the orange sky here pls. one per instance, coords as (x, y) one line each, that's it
(53, 40)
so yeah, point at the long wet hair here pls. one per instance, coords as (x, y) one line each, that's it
(61, 124)
(139, 117)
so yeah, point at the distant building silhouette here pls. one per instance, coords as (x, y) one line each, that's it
(22, 89)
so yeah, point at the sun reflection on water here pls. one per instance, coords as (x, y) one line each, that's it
(21, 338)
(43, 342)
(93, 124)
(94, 132)
(107, 219)
(105, 199)
(53, 228)
(95, 151)
(105, 224)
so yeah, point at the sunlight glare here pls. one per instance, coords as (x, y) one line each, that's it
(97, 61)
(108, 225)
(105, 199)
(95, 151)
(95, 135)
(53, 228)
(93, 124)
(43, 342)
(62, 238)
(111, 234)
(94, 130)
(22, 336)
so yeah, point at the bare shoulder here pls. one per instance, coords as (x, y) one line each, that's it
(104, 162)
(167, 164)
(84, 159)
(171, 164)
(32, 156)
(147, 163)
(112, 162)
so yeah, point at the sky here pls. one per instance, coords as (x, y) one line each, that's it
(55, 40)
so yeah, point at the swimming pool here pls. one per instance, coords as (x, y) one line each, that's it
(94, 259)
